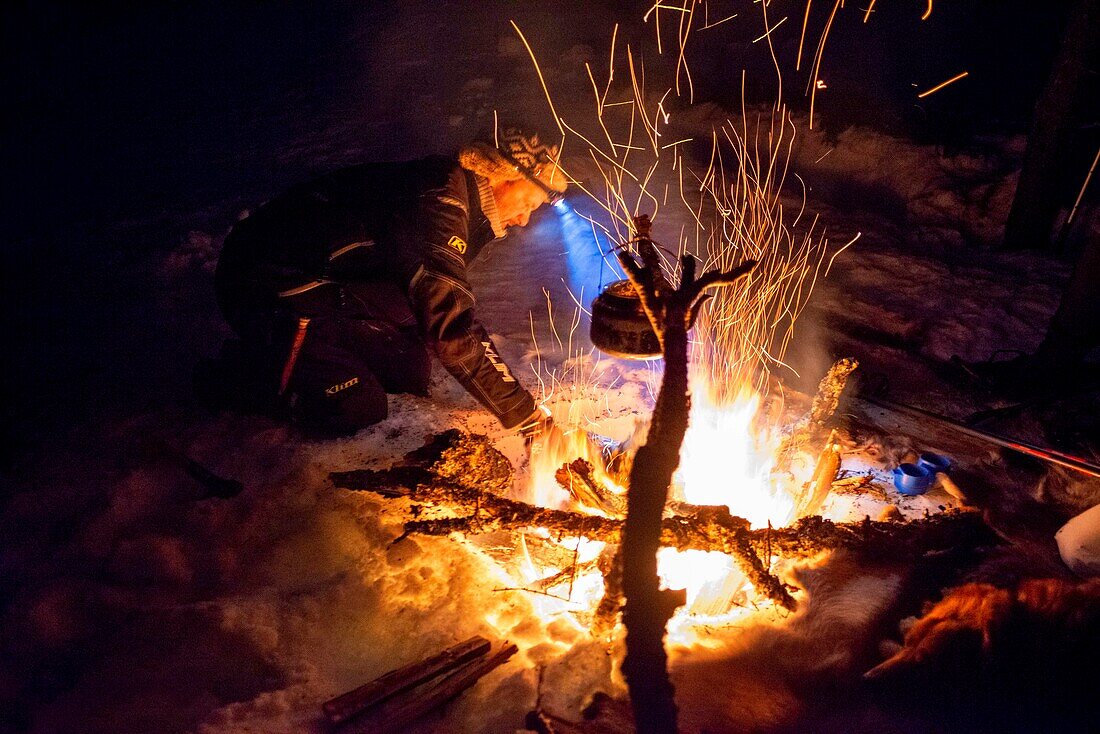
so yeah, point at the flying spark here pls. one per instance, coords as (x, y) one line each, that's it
(941, 85)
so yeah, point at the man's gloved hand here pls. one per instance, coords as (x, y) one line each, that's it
(535, 425)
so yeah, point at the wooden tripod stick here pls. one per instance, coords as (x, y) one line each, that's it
(647, 610)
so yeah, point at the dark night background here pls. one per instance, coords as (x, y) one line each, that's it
(129, 124)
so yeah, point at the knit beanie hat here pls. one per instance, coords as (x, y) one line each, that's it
(514, 153)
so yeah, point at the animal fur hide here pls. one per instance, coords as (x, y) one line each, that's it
(1003, 659)
(777, 677)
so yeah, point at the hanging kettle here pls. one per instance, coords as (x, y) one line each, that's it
(620, 326)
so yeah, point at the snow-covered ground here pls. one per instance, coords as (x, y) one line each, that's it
(131, 607)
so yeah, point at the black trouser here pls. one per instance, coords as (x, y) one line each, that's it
(361, 341)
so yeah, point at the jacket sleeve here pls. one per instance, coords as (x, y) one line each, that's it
(444, 305)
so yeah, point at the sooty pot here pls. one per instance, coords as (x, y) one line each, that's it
(620, 326)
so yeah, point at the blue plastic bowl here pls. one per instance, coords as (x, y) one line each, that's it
(935, 462)
(911, 479)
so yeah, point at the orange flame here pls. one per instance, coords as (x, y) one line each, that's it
(728, 458)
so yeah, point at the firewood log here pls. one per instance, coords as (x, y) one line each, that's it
(343, 707)
(828, 464)
(397, 713)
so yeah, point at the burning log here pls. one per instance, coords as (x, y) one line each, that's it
(692, 527)
(470, 463)
(882, 541)
(699, 527)
(577, 478)
(828, 464)
(709, 528)
(607, 611)
(822, 407)
(829, 390)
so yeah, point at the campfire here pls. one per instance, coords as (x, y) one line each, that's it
(714, 494)
(648, 531)
(709, 498)
(564, 557)
(732, 457)
(743, 451)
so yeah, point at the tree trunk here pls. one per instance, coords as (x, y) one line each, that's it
(1075, 329)
(1035, 205)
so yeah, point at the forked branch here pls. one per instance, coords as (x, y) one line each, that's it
(647, 607)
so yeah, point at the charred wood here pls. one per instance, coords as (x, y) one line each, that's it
(578, 479)
(347, 705)
(435, 479)
(706, 528)
(607, 611)
(399, 712)
(702, 528)
(829, 390)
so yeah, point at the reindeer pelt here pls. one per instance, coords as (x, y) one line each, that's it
(1010, 659)
(889, 448)
(1070, 492)
(765, 677)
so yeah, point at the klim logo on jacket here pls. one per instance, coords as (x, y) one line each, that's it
(457, 243)
(498, 365)
(340, 387)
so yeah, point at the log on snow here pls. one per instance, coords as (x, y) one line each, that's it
(347, 705)
(397, 713)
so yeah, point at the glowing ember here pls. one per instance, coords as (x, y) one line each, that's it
(548, 454)
(575, 592)
(703, 575)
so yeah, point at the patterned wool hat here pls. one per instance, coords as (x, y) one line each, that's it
(515, 153)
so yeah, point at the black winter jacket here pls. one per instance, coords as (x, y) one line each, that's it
(416, 224)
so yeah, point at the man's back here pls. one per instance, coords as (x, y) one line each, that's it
(371, 261)
(354, 213)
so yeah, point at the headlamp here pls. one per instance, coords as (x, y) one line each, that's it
(553, 196)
